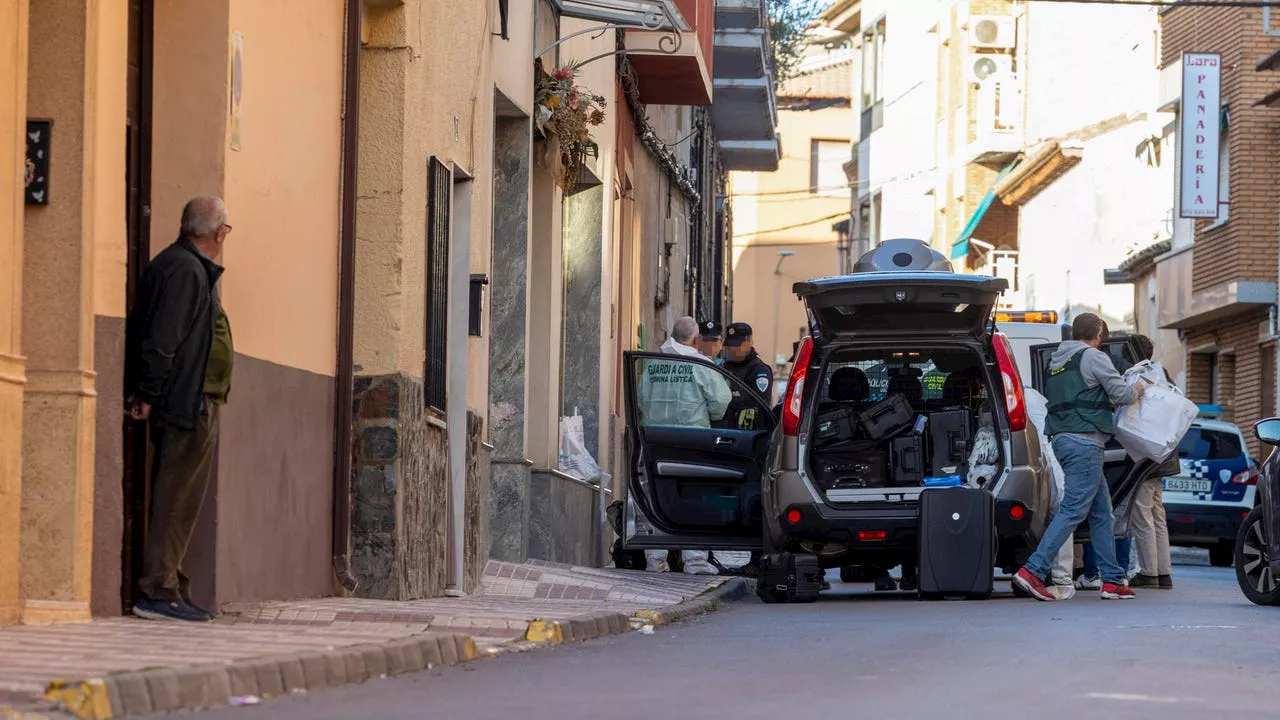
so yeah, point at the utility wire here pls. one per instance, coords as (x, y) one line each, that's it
(784, 228)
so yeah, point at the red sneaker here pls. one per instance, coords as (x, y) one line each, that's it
(1034, 586)
(1116, 591)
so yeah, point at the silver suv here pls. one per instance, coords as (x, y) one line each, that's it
(904, 383)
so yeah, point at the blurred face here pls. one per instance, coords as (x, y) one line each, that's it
(710, 347)
(738, 353)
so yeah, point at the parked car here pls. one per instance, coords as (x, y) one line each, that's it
(1257, 546)
(1205, 503)
(806, 489)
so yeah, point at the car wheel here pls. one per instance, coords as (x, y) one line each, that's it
(1253, 562)
(1222, 554)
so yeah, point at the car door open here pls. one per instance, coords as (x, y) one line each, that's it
(1123, 472)
(693, 475)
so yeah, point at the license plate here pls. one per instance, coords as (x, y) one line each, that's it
(1181, 484)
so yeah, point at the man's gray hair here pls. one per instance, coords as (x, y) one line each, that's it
(685, 330)
(203, 216)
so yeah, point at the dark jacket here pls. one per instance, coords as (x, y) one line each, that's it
(170, 332)
(758, 376)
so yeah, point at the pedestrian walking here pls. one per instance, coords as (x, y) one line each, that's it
(178, 373)
(688, 395)
(1150, 527)
(1082, 390)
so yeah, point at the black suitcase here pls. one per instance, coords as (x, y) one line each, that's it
(789, 578)
(957, 542)
(908, 460)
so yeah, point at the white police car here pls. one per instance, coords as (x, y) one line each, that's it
(1205, 503)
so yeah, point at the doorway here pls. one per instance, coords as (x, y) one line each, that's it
(138, 220)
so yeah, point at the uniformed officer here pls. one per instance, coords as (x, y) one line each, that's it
(745, 363)
(711, 341)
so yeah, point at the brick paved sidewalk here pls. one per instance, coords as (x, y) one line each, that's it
(124, 666)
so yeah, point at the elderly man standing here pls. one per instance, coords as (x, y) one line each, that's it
(178, 372)
(697, 402)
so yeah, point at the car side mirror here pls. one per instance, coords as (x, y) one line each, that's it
(1268, 431)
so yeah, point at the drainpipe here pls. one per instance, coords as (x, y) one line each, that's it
(344, 377)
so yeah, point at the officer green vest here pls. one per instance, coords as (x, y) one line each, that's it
(1073, 406)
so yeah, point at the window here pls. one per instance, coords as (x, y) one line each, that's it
(1203, 444)
(826, 167)
(869, 224)
(873, 78)
(434, 375)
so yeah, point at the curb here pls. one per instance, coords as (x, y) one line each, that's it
(710, 601)
(142, 692)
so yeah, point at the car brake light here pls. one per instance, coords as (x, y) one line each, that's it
(1017, 512)
(1014, 400)
(1246, 477)
(872, 534)
(795, 389)
(793, 517)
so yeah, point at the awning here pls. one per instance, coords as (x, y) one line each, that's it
(1038, 171)
(960, 248)
(649, 14)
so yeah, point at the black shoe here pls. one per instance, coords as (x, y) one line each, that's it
(1166, 582)
(886, 583)
(197, 609)
(172, 610)
(907, 584)
(1144, 581)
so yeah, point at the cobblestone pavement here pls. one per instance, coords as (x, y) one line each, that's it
(125, 666)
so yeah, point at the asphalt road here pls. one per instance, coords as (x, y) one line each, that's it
(1198, 651)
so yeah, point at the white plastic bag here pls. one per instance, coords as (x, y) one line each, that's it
(574, 459)
(983, 457)
(1152, 427)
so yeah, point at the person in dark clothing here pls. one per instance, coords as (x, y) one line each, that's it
(711, 341)
(744, 363)
(177, 374)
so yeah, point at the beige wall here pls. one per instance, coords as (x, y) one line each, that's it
(282, 186)
(76, 77)
(763, 299)
(765, 202)
(13, 113)
(189, 129)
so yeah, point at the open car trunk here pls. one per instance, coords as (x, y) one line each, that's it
(892, 420)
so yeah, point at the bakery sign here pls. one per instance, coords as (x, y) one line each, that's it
(1200, 131)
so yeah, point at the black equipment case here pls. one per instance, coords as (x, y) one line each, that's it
(908, 460)
(887, 417)
(957, 542)
(949, 434)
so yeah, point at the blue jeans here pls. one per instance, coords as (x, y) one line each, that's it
(1123, 548)
(1085, 494)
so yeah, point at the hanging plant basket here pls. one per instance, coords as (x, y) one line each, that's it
(564, 114)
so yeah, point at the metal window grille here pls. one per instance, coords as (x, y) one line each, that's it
(434, 376)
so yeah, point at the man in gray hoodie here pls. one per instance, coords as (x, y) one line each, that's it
(1083, 389)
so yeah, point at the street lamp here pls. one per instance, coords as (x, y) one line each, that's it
(777, 298)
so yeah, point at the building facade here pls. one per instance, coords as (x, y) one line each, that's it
(783, 220)
(423, 286)
(1217, 284)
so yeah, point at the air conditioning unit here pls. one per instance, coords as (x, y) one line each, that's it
(992, 32)
(982, 67)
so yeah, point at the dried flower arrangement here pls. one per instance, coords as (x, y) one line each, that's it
(564, 114)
